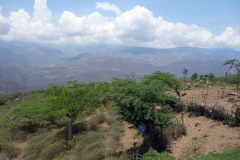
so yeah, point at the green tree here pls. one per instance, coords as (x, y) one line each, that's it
(194, 76)
(75, 98)
(185, 71)
(205, 76)
(211, 77)
(235, 79)
(201, 76)
(135, 102)
(166, 78)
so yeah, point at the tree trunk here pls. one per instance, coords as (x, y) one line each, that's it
(237, 89)
(70, 127)
(149, 139)
(225, 80)
(178, 93)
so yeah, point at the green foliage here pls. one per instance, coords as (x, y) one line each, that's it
(194, 76)
(52, 150)
(234, 79)
(135, 102)
(27, 115)
(91, 142)
(211, 77)
(165, 78)
(8, 149)
(228, 155)
(2, 101)
(75, 99)
(154, 155)
(205, 135)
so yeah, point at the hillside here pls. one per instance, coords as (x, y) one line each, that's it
(101, 135)
(36, 66)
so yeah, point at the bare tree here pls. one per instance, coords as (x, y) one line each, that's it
(232, 62)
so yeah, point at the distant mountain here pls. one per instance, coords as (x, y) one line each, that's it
(32, 66)
(10, 86)
(31, 53)
(184, 52)
(83, 55)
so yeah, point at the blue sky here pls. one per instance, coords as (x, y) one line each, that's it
(152, 23)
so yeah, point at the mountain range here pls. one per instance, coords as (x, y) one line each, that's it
(30, 66)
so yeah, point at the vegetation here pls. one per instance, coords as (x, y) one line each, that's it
(84, 119)
(194, 76)
(74, 99)
(185, 72)
(167, 79)
(136, 104)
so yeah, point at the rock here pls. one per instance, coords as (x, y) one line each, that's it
(183, 94)
(197, 124)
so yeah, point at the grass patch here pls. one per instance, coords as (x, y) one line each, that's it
(205, 135)
(194, 138)
(228, 155)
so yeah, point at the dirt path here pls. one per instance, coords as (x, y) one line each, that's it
(129, 137)
(205, 135)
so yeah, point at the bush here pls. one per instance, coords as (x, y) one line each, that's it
(99, 118)
(89, 142)
(31, 157)
(38, 143)
(154, 155)
(76, 128)
(8, 148)
(52, 151)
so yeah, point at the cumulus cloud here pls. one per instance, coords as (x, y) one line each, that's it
(135, 27)
(107, 6)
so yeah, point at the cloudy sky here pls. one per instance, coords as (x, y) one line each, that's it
(145, 23)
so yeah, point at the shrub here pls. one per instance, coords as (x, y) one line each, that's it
(84, 142)
(31, 157)
(154, 155)
(52, 151)
(8, 148)
(38, 143)
(100, 118)
(76, 128)
(115, 135)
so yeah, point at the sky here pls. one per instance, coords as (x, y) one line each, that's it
(142, 23)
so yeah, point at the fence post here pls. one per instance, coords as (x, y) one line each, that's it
(183, 120)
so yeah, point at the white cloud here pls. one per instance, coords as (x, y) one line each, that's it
(135, 27)
(107, 6)
(41, 13)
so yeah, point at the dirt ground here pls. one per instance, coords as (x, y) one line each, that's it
(213, 97)
(205, 135)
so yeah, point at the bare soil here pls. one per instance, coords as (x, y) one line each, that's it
(205, 135)
(213, 97)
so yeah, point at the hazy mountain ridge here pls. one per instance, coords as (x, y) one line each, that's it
(36, 66)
